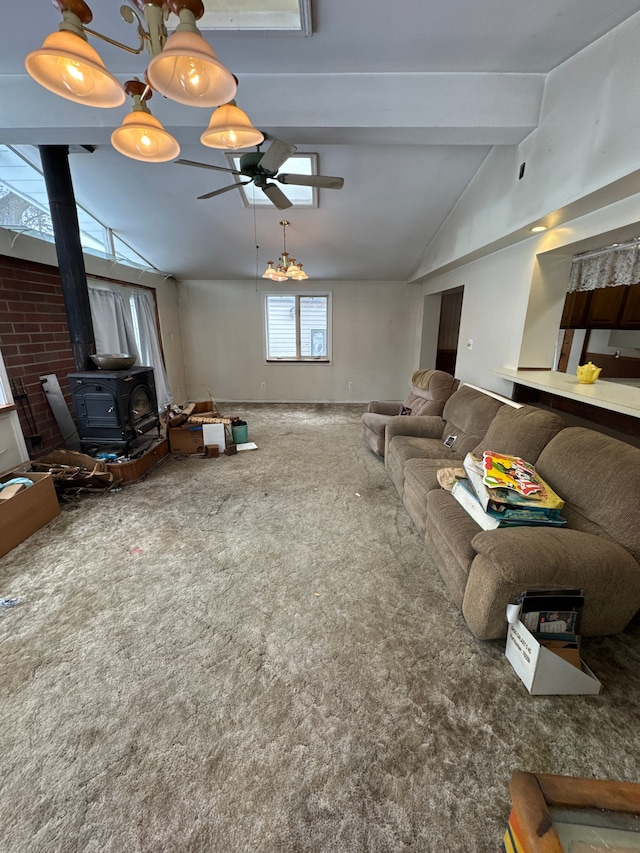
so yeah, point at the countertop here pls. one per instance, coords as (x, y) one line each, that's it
(605, 394)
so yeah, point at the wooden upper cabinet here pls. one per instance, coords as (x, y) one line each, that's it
(630, 318)
(576, 307)
(605, 307)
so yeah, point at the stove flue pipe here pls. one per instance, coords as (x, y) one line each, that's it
(66, 231)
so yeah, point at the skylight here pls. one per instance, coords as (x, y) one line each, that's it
(297, 164)
(24, 207)
(270, 15)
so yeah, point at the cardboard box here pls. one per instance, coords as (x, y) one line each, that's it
(28, 511)
(187, 438)
(542, 670)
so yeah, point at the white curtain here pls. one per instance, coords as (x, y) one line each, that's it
(613, 267)
(124, 320)
(112, 322)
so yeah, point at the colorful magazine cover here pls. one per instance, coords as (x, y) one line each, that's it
(511, 481)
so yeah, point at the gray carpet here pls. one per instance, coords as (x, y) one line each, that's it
(256, 653)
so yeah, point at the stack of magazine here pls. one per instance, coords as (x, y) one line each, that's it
(505, 491)
(553, 617)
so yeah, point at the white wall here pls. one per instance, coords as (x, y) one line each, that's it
(587, 140)
(513, 298)
(374, 343)
(582, 167)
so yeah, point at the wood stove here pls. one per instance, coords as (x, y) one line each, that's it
(114, 407)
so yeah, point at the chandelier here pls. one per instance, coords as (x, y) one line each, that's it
(288, 268)
(183, 68)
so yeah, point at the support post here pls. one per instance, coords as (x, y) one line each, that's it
(66, 231)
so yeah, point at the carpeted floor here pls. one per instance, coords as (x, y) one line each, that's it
(256, 653)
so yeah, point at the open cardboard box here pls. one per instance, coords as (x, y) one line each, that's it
(27, 511)
(543, 670)
(184, 437)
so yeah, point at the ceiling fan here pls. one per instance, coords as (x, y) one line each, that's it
(262, 168)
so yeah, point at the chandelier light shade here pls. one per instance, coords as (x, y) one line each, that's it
(183, 68)
(187, 70)
(141, 136)
(230, 128)
(68, 66)
(288, 267)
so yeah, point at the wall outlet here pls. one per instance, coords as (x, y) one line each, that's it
(470, 343)
(263, 384)
(349, 385)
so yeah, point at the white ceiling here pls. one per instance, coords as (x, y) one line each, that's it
(401, 99)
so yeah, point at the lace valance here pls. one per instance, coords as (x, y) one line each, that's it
(611, 267)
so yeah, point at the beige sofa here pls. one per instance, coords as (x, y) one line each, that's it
(430, 390)
(597, 476)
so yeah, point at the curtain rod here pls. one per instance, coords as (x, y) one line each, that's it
(615, 247)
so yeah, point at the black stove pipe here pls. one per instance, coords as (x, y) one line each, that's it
(66, 231)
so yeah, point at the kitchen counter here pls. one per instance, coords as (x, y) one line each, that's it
(611, 395)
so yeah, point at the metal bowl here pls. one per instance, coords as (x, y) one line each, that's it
(114, 361)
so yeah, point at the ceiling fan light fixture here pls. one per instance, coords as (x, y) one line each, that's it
(68, 66)
(231, 128)
(187, 69)
(142, 137)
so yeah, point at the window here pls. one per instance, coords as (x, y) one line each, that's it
(24, 207)
(297, 327)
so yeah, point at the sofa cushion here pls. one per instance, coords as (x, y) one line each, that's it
(467, 415)
(420, 478)
(405, 447)
(599, 479)
(520, 432)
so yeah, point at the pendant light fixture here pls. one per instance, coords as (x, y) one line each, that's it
(231, 128)
(141, 136)
(183, 68)
(68, 66)
(187, 70)
(288, 267)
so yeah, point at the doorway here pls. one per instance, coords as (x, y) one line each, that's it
(449, 330)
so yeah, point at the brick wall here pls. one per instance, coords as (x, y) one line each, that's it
(34, 340)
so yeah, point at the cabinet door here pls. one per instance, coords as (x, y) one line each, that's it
(631, 310)
(576, 306)
(605, 307)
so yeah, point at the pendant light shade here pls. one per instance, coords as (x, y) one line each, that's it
(188, 71)
(142, 137)
(230, 127)
(68, 66)
(269, 272)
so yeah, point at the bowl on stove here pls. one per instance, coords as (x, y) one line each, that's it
(113, 360)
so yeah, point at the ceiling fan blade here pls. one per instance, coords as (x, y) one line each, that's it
(276, 196)
(323, 181)
(224, 189)
(276, 154)
(206, 166)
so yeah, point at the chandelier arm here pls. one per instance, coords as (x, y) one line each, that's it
(135, 50)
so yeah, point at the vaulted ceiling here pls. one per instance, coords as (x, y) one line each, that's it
(403, 100)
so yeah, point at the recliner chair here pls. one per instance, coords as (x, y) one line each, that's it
(430, 390)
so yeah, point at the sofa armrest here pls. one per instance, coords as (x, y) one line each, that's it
(510, 560)
(385, 407)
(418, 426)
